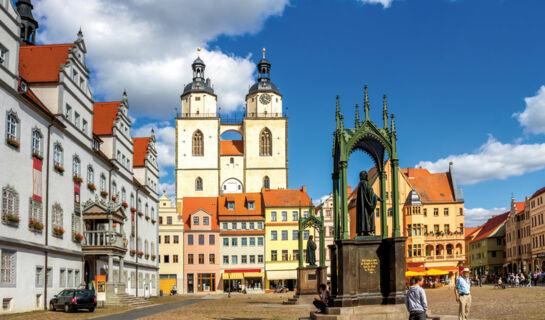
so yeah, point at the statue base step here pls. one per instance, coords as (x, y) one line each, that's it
(309, 279)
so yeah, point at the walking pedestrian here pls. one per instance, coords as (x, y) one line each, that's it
(416, 301)
(517, 281)
(529, 280)
(462, 292)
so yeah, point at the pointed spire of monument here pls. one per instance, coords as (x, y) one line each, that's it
(385, 112)
(357, 117)
(393, 123)
(366, 103)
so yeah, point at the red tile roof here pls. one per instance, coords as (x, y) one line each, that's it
(140, 146)
(431, 187)
(231, 147)
(538, 192)
(286, 198)
(42, 63)
(469, 231)
(105, 113)
(520, 206)
(491, 226)
(192, 204)
(241, 205)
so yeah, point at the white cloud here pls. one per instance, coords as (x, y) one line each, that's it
(384, 3)
(533, 117)
(477, 216)
(170, 189)
(493, 160)
(320, 200)
(147, 47)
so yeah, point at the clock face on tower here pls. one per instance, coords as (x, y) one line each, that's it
(265, 98)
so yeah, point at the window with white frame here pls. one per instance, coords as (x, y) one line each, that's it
(37, 142)
(68, 113)
(139, 205)
(102, 182)
(12, 126)
(58, 155)
(57, 215)
(132, 200)
(84, 126)
(153, 281)
(90, 175)
(70, 278)
(133, 279)
(76, 119)
(49, 275)
(62, 278)
(123, 194)
(76, 166)
(152, 212)
(146, 247)
(75, 76)
(146, 209)
(10, 203)
(76, 278)
(76, 223)
(35, 210)
(3, 56)
(140, 281)
(7, 268)
(114, 189)
(39, 277)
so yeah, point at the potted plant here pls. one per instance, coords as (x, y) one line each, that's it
(11, 218)
(125, 205)
(58, 231)
(114, 198)
(37, 156)
(140, 253)
(58, 168)
(77, 178)
(147, 256)
(153, 257)
(103, 194)
(140, 213)
(12, 142)
(91, 186)
(147, 218)
(78, 237)
(132, 252)
(35, 224)
(133, 209)
(153, 221)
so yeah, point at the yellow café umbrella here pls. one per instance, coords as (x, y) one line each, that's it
(435, 272)
(413, 273)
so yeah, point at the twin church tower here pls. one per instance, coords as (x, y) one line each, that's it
(208, 165)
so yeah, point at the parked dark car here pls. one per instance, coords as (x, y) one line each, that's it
(73, 299)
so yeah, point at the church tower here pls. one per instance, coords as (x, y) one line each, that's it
(28, 24)
(197, 136)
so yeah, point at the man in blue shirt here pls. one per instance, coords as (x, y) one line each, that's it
(416, 301)
(463, 297)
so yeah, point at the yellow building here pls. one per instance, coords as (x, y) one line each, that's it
(171, 249)
(537, 216)
(208, 162)
(281, 235)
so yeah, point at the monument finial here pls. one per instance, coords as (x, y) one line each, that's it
(385, 112)
(393, 123)
(366, 103)
(264, 50)
(357, 117)
(338, 113)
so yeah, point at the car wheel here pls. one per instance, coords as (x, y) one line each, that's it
(51, 307)
(67, 308)
(91, 309)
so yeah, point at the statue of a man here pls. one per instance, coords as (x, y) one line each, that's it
(311, 252)
(365, 207)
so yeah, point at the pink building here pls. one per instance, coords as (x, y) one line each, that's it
(201, 244)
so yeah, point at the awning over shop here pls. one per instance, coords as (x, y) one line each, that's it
(435, 272)
(232, 276)
(413, 274)
(253, 274)
(282, 275)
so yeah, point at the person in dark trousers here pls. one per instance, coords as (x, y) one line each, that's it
(323, 301)
(416, 301)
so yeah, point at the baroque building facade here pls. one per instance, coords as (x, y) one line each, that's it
(71, 168)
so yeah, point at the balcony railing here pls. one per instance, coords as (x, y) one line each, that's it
(265, 115)
(103, 239)
(198, 115)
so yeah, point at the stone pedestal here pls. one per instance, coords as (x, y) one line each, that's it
(393, 268)
(309, 278)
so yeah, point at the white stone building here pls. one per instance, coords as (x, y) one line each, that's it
(69, 166)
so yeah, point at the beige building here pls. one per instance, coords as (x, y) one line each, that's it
(207, 165)
(517, 238)
(171, 249)
(537, 215)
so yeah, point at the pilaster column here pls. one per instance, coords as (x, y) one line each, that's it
(110, 269)
(344, 201)
(383, 217)
(121, 270)
(396, 232)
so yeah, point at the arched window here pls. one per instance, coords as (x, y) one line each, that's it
(102, 182)
(139, 205)
(145, 246)
(123, 195)
(114, 189)
(90, 175)
(58, 155)
(146, 210)
(198, 143)
(37, 140)
(12, 127)
(57, 215)
(152, 213)
(132, 200)
(76, 166)
(265, 143)
(10, 203)
(266, 182)
(198, 184)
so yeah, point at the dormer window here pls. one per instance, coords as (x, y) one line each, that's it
(251, 205)
(230, 205)
(196, 220)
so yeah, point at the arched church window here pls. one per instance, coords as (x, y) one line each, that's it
(265, 143)
(198, 184)
(266, 182)
(198, 143)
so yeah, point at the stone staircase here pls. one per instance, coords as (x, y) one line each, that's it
(123, 299)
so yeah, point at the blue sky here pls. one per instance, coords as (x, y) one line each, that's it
(456, 74)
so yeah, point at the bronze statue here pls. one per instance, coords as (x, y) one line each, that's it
(311, 252)
(365, 207)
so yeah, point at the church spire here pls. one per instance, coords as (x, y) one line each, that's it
(264, 69)
(28, 23)
(198, 67)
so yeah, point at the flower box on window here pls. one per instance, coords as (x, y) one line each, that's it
(140, 253)
(10, 218)
(132, 252)
(58, 231)
(153, 257)
(125, 205)
(12, 142)
(153, 221)
(114, 198)
(147, 256)
(147, 218)
(77, 237)
(91, 186)
(58, 168)
(35, 224)
(77, 178)
(104, 194)
(140, 213)
(133, 209)
(37, 156)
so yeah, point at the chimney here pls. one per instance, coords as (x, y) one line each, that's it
(410, 172)
(349, 190)
(304, 189)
